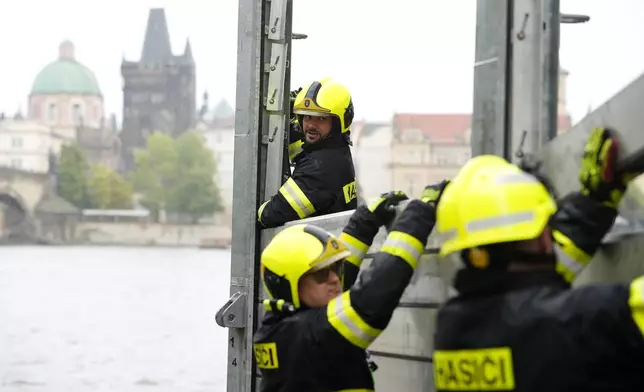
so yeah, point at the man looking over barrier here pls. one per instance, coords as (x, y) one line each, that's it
(323, 181)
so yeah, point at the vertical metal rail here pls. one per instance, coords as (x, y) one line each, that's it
(516, 75)
(261, 118)
(550, 18)
(238, 314)
(492, 67)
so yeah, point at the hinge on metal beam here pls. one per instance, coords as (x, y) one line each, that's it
(233, 313)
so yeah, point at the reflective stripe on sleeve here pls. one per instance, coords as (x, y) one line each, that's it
(294, 149)
(570, 259)
(636, 302)
(297, 199)
(348, 323)
(357, 248)
(404, 246)
(261, 209)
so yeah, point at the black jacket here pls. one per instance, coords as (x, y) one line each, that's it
(529, 331)
(323, 182)
(324, 349)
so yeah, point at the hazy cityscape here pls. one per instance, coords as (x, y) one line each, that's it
(117, 134)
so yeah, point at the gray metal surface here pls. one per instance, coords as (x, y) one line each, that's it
(276, 94)
(561, 159)
(550, 22)
(491, 66)
(240, 374)
(408, 376)
(526, 86)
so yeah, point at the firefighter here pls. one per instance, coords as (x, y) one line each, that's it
(516, 323)
(319, 323)
(323, 180)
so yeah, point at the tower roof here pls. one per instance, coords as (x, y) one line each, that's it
(65, 76)
(156, 46)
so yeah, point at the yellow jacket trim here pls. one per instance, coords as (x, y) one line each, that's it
(403, 245)
(294, 149)
(570, 259)
(261, 209)
(297, 199)
(357, 248)
(636, 302)
(348, 323)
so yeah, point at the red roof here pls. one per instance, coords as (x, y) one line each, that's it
(437, 127)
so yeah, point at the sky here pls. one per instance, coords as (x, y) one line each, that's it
(402, 56)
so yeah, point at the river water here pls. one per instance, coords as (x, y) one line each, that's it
(96, 319)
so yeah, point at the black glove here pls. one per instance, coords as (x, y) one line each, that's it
(599, 177)
(432, 193)
(383, 208)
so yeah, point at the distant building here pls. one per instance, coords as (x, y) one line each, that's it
(158, 90)
(564, 120)
(218, 127)
(25, 145)
(372, 157)
(427, 148)
(66, 97)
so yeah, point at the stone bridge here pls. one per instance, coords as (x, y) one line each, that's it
(21, 191)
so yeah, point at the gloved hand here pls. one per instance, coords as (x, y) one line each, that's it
(432, 193)
(599, 177)
(383, 208)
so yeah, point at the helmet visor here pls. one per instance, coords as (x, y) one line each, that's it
(322, 275)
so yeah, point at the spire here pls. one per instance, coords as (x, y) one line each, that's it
(156, 47)
(18, 115)
(187, 52)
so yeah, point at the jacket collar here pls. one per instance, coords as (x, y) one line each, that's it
(470, 282)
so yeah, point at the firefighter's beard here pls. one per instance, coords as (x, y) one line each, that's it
(312, 135)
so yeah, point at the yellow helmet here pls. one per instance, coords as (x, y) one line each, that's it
(491, 201)
(325, 98)
(293, 252)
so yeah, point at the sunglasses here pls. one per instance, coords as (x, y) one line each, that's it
(322, 276)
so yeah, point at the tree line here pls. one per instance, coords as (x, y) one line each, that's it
(171, 175)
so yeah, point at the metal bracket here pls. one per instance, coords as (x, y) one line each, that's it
(573, 18)
(233, 313)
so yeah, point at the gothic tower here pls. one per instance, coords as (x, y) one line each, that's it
(158, 90)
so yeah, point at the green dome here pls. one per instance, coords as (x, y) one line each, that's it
(66, 76)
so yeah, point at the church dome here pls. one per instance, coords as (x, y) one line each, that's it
(66, 76)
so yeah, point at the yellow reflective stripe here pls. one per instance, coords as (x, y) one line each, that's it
(636, 302)
(403, 245)
(570, 259)
(297, 199)
(261, 209)
(357, 248)
(348, 323)
(515, 178)
(501, 221)
(294, 149)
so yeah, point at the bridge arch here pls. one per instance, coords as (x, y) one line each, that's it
(13, 208)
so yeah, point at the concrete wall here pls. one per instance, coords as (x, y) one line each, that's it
(152, 234)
